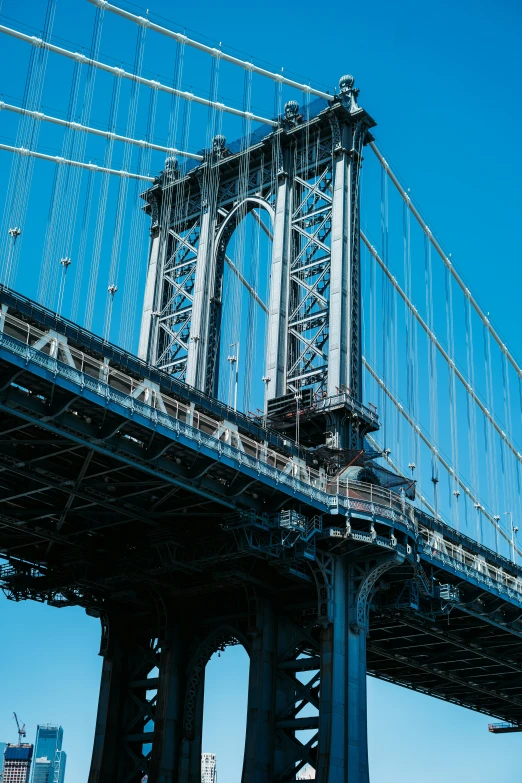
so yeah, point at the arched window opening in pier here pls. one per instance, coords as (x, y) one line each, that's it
(244, 315)
(225, 711)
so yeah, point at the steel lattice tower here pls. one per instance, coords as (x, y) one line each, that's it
(306, 175)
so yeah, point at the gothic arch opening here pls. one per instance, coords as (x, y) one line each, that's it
(243, 259)
(215, 708)
(225, 711)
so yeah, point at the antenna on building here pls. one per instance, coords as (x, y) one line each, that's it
(21, 730)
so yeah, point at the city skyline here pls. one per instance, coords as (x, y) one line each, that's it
(43, 760)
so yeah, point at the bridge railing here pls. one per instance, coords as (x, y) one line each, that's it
(462, 560)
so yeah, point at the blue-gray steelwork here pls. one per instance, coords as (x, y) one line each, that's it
(185, 526)
(306, 176)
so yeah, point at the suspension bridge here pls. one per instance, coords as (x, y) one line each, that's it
(284, 421)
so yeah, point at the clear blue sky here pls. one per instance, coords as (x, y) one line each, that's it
(443, 82)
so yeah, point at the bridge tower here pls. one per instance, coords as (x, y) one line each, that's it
(306, 175)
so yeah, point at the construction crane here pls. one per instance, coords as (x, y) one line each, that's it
(21, 730)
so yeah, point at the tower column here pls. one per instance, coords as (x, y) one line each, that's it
(149, 299)
(151, 282)
(340, 269)
(204, 284)
(123, 711)
(278, 306)
(343, 733)
(168, 719)
(191, 747)
(257, 764)
(196, 364)
(136, 708)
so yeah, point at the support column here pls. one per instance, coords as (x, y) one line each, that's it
(343, 754)
(343, 733)
(106, 733)
(203, 285)
(129, 718)
(168, 721)
(282, 649)
(149, 300)
(257, 763)
(124, 713)
(341, 268)
(190, 757)
(278, 307)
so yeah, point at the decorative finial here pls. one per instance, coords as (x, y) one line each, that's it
(291, 109)
(346, 83)
(348, 93)
(218, 145)
(171, 163)
(292, 116)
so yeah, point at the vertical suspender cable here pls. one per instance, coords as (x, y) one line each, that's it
(22, 166)
(385, 305)
(61, 201)
(102, 209)
(472, 416)
(412, 457)
(454, 490)
(233, 296)
(511, 507)
(80, 141)
(130, 298)
(489, 431)
(119, 221)
(432, 367)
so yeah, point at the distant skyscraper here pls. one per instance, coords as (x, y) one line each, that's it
(2, 749)
(17, 763)
(208, 768)
(42, 770)
(49, 758)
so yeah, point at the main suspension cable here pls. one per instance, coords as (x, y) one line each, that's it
(78, 163)
(155, 85)
(218, 53)
(76, 126)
